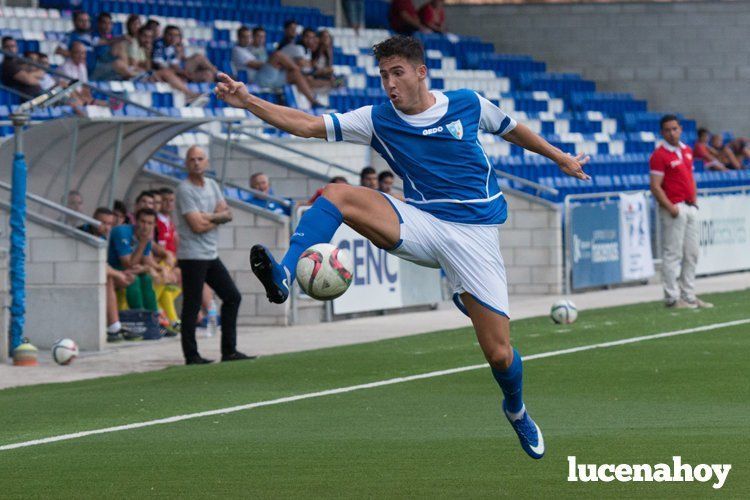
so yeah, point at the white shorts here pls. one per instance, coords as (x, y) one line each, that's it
(468, 254)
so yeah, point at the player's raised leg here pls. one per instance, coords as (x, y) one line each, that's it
(366, 211)
(493, 334)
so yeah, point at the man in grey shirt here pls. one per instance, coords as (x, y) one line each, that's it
(201, 209)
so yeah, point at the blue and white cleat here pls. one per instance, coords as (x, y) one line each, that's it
(528, 432)
(272, 275)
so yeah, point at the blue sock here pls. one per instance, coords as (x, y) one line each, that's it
(511, 383)
(317, 225)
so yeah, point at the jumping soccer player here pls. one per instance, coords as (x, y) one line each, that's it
(453, 204)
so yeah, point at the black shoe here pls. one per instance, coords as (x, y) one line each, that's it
(167, 331)
(114, 337)
(198, 360)
(237, 356)
(128, 335)
(271, 274)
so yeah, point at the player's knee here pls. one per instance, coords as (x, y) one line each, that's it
(338, 194)
(500, 356)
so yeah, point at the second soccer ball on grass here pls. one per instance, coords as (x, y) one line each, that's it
(325, 271)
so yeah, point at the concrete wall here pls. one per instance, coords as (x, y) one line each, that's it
(688, 57)
(248, 227)
(531, 245)
(65, 284)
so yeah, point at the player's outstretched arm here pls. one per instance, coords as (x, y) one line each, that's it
(572, 165)
(290, 120)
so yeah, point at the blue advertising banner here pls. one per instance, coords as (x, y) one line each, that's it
(595, 231)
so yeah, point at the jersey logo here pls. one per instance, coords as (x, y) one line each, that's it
(430, 131)
(456, 129)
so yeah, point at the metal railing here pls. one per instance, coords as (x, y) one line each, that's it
(65, 211)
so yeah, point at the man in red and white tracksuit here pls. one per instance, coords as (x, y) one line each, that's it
(674, 188)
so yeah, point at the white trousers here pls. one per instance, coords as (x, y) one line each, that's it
(679, 252)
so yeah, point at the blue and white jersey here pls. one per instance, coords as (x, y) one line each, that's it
(437, 153)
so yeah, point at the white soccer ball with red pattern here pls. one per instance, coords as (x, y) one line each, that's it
(64, 351)
(325, 271)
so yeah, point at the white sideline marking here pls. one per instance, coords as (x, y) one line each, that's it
(352, 388)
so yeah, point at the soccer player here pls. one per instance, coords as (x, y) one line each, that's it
(453, 204)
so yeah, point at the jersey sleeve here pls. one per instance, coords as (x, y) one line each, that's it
(656, 164)
(186, 202)
(493, 119)
(121, 240)
(354, 126)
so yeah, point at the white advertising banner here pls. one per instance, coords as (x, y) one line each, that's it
(724, 233)
(636, 260)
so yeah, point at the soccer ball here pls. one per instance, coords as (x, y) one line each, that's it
(64, 351)
(563, 311)
(324, 271)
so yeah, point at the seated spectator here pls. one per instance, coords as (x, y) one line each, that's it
(321, 45)
(17, 75)
(46, 82)
(155, 27)
(121, 213)
(260, 183)
(385, 182)
(289, 36)
(354, 11)
(432, 15)
(702, 151)
(740, 147)
(368, 178)
(75, 67)
(73, 201)
(169, 52)
(404, 18)
(723, 152)
(139, 49)
(110, 53)
(301, 53)
(81, 33)
(334, 180)
(268, 71)
(130, 250)
(115, 279)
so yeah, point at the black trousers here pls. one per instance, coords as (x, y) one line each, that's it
(212, 272)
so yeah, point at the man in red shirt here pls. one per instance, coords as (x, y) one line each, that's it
(674, 188)
(432, 15)
(166, 233)
(404, 18)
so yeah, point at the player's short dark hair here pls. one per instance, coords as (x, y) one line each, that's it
(666, 119)
(166, 190)
(385, 174)
(400, 46)
(367, 171)
(258, 29)
(144, 194)
(171, 27)
(102, 211)
(703, 131)
(6, 39)
(145, 211)
(242, 29)
(119, 206)
(103, 15)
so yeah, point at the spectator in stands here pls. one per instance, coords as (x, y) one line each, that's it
(75, 67)
(740, 147)
(47, 81)
(322, 60)
(368, 178)
(262, 186)
(121, 212)
(268, 71)
(81, 33)
(290, 34)
(354, 11)
(115, 279)
(201, 209)
(155, 27)
(74, 200)
(169, 52)
(702, 151)
(139, 57)
(674, 188)
(110, 52)
(432, 15)
(404, 18)
(17, 75)
(334, 180)
(134, 48)
(723, 152)
(385, 182)
(130, 250)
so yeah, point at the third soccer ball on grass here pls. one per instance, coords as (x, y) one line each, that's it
(324, 271)
(563, 312)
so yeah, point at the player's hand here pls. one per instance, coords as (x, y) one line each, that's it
(231, 92)
(573, 166)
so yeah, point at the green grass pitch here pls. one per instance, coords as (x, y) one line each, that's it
(445, 436)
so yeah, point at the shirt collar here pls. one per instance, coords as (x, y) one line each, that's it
(673, 149)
